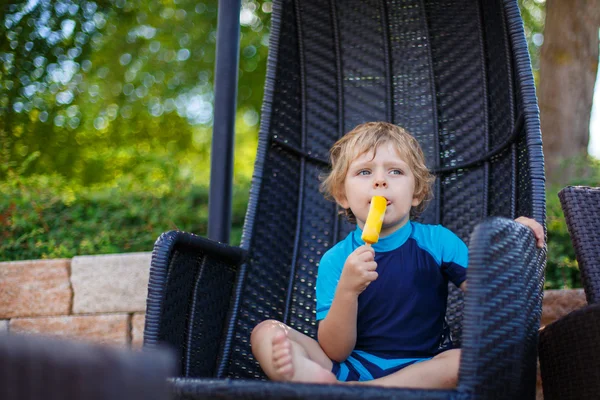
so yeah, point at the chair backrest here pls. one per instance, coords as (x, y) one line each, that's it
(33, 368)
(455, 73)
(581, 206)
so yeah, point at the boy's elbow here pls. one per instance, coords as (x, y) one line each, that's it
(334, 352)
(337, 354)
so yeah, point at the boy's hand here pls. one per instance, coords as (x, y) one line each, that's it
(359, 270)
(538, 230)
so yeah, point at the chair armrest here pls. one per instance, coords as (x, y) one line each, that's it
(189, 292)
(503, 304)
(569, 361)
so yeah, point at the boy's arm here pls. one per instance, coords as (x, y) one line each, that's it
(337, 331)
(538, 232)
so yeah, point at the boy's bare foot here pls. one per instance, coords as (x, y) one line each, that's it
(291, 363)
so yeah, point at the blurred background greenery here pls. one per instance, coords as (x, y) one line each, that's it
(105, 125)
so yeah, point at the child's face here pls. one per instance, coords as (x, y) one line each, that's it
(386, 175)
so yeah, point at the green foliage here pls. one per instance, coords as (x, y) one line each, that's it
(105, 121)
(562, 270)
(48, 217)
(93, 87)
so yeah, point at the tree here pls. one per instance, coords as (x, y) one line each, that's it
(568, 67)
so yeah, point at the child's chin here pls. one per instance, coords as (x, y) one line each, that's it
(393, 223)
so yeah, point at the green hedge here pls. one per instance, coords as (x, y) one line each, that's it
(46, 217)
(561, 271)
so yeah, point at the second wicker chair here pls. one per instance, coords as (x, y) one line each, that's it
(569, 347)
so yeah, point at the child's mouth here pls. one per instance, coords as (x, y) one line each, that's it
(388, 202)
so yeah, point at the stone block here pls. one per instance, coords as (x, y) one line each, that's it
(110, 283)
(137, 330)
(35, 288)
(105, 329)
(4, 326)
(558, 303)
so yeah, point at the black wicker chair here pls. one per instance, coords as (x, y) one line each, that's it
(569, 347)
(457, 75)
(41, 368)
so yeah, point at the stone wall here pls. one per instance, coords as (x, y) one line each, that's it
(96, 298)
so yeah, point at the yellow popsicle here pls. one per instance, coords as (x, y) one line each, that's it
(374, 220)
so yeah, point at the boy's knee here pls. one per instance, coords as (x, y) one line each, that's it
(263, 328)
(451, 378)
(451, 359)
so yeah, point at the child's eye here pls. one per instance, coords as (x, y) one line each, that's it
(396, 172)
(364, 172)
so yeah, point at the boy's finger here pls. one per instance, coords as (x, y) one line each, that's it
(372, 275)
(366, 257)
(365, 249)
(371, 266)
(538, 230)
(539, 234)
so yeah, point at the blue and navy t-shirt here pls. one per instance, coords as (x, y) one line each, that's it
(400, 314)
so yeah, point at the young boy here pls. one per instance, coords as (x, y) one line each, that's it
(381, 309)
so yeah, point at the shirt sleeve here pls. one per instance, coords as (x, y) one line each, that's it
(455, 256)
(328, 276)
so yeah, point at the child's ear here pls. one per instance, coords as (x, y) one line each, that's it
(342, 201)
(416, 201)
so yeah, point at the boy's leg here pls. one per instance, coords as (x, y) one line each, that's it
(285, 354)
(441, 372)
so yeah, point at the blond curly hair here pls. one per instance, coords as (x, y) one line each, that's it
(368, 137)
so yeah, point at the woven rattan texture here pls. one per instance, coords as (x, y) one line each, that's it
(286, 104)
(321, 80)
(315, 238)
(176, 306)
(569, 360)
(525, 196)
(362, 60)
(461, 108)
(581, 206)
(212, 291)
(413, 104)
(189, 296)
(269, 267)
(512, 270)
(500, 103)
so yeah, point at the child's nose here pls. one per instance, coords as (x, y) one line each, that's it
(380, 183)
